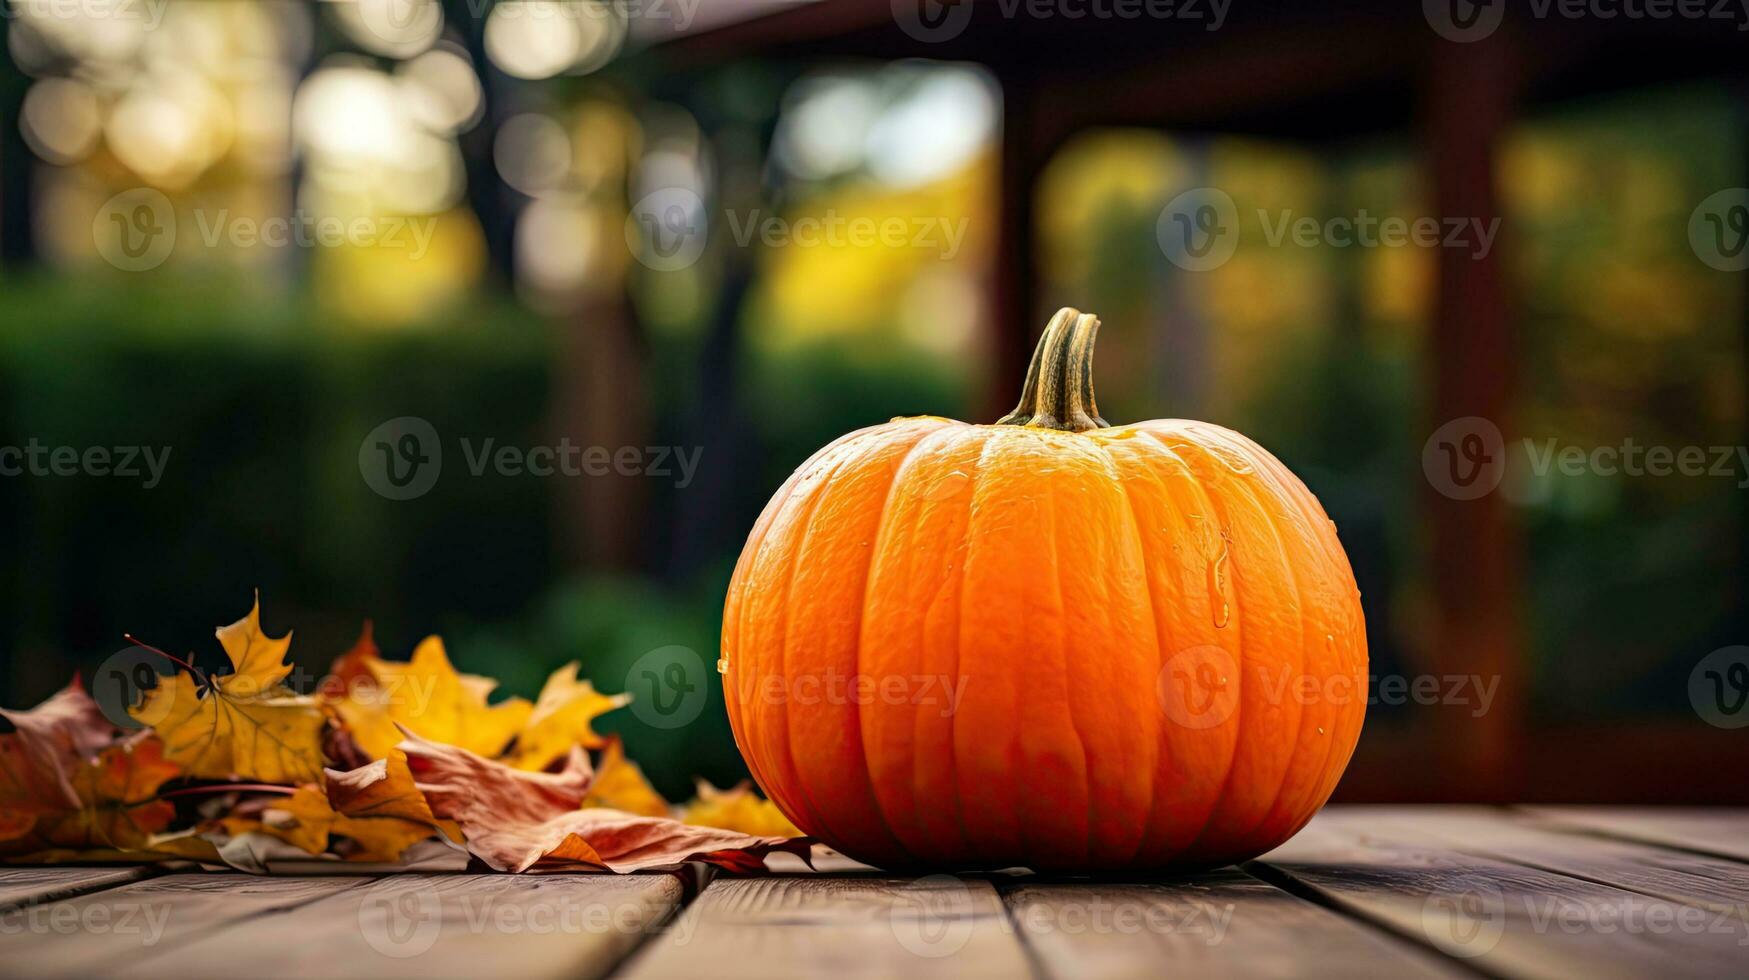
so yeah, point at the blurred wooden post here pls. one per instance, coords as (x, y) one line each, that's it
(1476, 575)
(1012, 310)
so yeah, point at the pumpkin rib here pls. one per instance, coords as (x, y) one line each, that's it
(743, 566)
(863, 455)
(1183, 482)
(1157, 624)
(876, 539)
(1328, 549)
(782, 756)
(1069, 686)
(919, 791)
(1246, 482)
(782, 789)
(1284, 491)
(1115, 472)
(1235, 618)
(1324, 552)
(980, 843)
(1299, 608)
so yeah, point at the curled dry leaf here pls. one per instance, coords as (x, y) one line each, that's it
(246, 724)
(426, 695)
(514, 819)
(38, 759)
(383, 788)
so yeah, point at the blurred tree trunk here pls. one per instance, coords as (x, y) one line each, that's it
(599, 399)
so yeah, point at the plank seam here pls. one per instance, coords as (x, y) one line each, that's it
(1286, 881)
(64, 893)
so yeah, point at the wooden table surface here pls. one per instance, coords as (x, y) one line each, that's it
(1544, 892)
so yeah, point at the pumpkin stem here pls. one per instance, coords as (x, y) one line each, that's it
(1058, 393)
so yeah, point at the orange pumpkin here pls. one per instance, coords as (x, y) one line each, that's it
(1047, 642)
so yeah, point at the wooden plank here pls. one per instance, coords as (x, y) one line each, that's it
(818, 926)
(97, 934)
(1678, 876)
(1723, 832)
(1226, 923)
(1502, 917)
(22, 886)
(440, 925)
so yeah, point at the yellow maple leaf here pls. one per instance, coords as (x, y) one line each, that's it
(738, 809)
(620, 785)
(562, 719)
(244, 724)
(430, 698)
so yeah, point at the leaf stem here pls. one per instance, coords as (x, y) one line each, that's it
(170, 657)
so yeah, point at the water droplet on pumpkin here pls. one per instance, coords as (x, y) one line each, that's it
(948, 486)
(722, 665)
(1320, 729)
(1217, 584)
